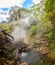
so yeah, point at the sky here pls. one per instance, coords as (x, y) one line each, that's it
(5, 5)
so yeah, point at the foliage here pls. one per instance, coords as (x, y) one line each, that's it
(33, 30)
(50, 14)
(50, 35)
(50, 10)
(8, 27)
(45, 11)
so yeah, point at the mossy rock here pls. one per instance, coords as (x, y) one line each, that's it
(51, 56)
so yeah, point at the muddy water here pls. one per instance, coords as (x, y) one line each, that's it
(31, 57)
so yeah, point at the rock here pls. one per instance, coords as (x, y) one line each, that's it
(24, 63)
(44, 50)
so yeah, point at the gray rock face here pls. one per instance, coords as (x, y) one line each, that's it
(31, 57)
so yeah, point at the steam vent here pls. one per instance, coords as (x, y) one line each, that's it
(27, 32)
(19, 51)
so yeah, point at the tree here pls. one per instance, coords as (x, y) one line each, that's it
(50, 11)
(50, 15)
